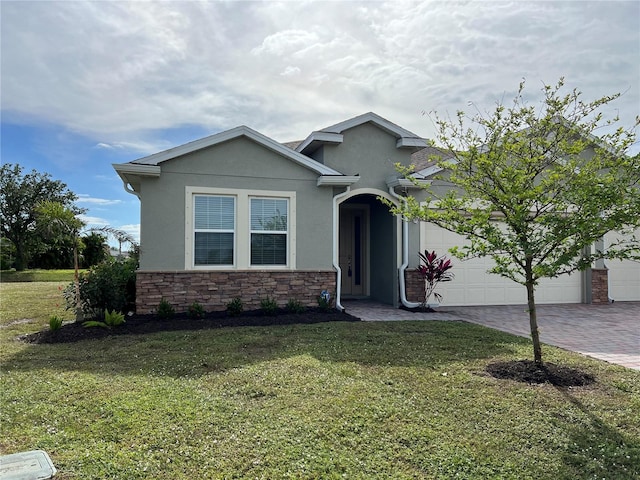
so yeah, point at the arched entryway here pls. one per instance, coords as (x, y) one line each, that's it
(368, 248)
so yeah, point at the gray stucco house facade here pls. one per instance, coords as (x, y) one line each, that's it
(238, 214)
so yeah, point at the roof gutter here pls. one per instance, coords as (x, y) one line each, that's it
(125, 169)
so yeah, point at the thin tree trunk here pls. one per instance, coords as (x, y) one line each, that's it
(76, 281)
(533, 319)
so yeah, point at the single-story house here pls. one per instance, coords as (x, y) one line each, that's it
(238, 214)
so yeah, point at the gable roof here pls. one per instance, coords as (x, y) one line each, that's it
(333, 133)
(237, 132)
(149, 166)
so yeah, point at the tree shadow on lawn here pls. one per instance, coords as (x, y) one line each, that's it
(598, 450)
(198, 352)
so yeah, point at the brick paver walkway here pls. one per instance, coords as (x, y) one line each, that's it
(607, 332)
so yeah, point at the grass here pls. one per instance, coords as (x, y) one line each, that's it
(36, 275)
(399, 400)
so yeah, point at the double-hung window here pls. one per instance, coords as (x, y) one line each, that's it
(269, 231)
(239, 229)
(214, 230)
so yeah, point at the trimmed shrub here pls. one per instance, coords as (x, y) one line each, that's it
(269, 306)
(295, 306)
(235, 307)
(196, 310)
(165, 309)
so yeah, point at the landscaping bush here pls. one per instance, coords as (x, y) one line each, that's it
(107, 286)
(196, 310)
(295, 306)
(269, 306)
(235, 307)
(55, 322)
(111, 319)
(165, 309)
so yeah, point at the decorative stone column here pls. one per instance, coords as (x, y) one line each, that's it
(599, 285)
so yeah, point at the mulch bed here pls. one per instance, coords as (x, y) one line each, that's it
(141, 324)
(528, 371)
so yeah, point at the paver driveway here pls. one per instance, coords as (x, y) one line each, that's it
(608, 332)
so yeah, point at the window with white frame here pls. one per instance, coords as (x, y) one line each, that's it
(233, 228)
(214, 230)
(269, 231)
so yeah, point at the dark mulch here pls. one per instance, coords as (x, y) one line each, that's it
(530, 372)
(141, 324)
(418, 309)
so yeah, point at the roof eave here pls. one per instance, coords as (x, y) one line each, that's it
(411, 142)
(407, 183)
(317, 139)
(137, 169)
(337, 180)
(130, 173)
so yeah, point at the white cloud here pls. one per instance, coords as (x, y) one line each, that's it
(93, 221)
(290, 71)
(87, 199)
(131, 229)
(123, 71)
(106, 146)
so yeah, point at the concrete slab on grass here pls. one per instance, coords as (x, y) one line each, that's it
(33, 465)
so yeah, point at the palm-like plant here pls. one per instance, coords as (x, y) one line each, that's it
(433, 270)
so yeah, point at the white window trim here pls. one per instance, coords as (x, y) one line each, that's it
(242, 239)
(233, 231)
(270, 232)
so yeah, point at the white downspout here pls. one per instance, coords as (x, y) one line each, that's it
(405, 256)
(336, 233)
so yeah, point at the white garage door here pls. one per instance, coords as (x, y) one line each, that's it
(624, 275)
(472, 284)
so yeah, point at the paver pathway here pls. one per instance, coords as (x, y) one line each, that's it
(607, 332)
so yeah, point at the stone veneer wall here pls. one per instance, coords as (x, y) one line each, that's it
(599, 285)
(414, 285)
(214, 289)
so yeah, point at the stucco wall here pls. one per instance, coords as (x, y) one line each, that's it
(239, 163)
(369, 151)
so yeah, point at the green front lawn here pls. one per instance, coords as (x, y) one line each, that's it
(37, 275)
(337, 400)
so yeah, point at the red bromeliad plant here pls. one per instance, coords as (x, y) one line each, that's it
(433, 270)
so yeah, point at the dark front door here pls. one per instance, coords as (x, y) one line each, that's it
(353, 228)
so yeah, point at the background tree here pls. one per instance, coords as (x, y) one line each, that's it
(19, 196)
(95, 249)
(7, 253)
(57, 221)
(555, 188)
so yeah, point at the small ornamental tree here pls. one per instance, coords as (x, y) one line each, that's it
(433, 270)
(534, 188)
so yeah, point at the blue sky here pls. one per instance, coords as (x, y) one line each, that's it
(88, 84)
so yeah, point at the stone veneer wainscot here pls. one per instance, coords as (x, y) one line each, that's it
(215, 289)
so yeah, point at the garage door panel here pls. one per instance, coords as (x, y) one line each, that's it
(472, 284)
(624, 275)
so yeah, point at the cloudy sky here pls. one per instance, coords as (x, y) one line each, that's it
(88, 84)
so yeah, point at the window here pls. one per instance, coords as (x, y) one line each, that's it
(214, 230)
(269, 227)
(239, 229)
